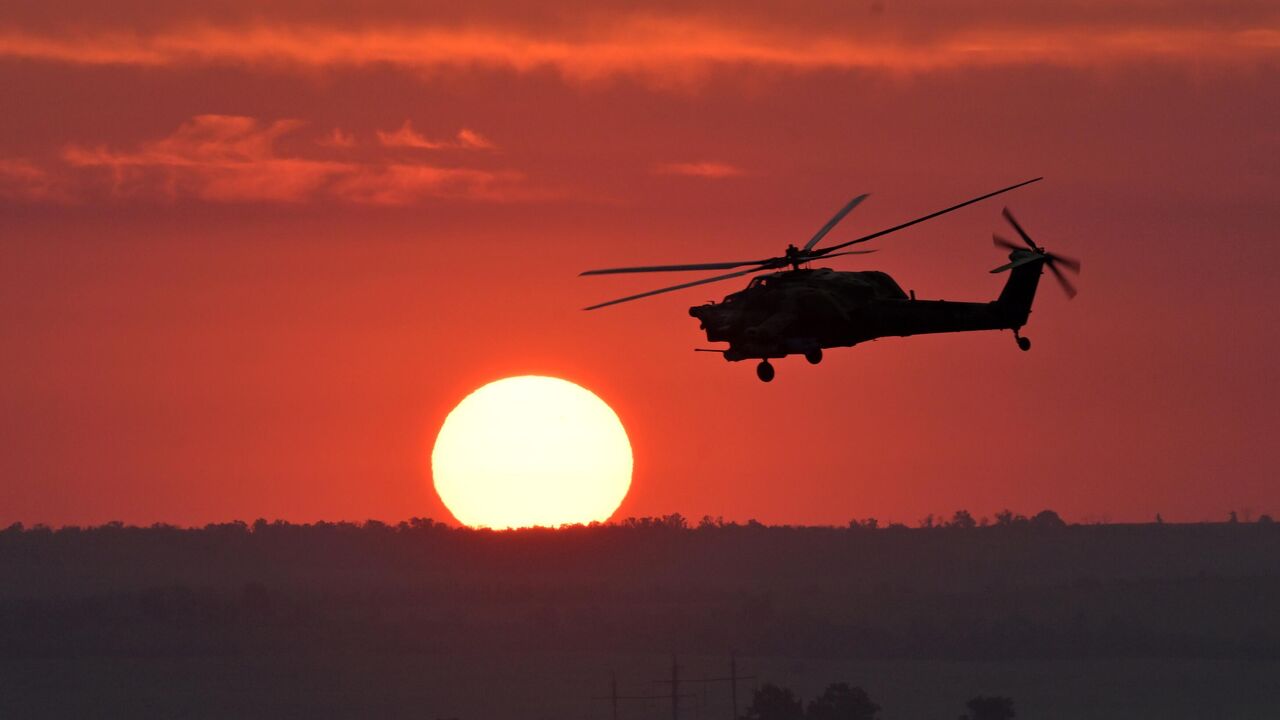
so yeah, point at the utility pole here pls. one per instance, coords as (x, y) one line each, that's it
(614, 697)
(675, 689)
(733, 682)
(613, 693)
(732, 679)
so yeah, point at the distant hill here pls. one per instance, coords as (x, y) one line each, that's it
(1022, 588)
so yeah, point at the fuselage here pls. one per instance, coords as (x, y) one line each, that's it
(802, 311)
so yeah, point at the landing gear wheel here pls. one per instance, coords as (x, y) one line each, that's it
(764, 371)
(1024, 344)
(814, 356)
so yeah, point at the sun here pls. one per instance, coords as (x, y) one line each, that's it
(531, 451)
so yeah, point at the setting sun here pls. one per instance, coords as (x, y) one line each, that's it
(531, 450)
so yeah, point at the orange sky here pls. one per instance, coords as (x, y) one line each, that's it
(250, 257)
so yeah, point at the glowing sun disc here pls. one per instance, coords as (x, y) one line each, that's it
(531, 450)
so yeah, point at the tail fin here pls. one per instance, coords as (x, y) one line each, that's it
(1025, 266)
(1020, 290)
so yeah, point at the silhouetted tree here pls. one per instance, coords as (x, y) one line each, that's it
(963, 520)
(376, 526)
(842, 702)
(1006, 518)
(771, 702)
(989, 708)
(675, 521)
(1047, 519)
(1233, 518)
(1265, 519)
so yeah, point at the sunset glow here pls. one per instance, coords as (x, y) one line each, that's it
(233, 235)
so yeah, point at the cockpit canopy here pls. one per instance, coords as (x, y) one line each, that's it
(866, 283)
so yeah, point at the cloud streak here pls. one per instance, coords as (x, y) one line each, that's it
(706, 169)
(338, 138)
(650, 45)
(229, 159)
(407, 137)
(24, 181)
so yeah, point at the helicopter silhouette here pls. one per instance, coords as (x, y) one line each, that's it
(797, 310)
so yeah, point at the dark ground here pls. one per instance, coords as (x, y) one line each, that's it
(424, 621)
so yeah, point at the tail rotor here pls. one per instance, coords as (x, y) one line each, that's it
(1019, 255)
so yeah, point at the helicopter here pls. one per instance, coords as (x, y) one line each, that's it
(799, 310)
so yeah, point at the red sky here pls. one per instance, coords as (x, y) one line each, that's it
(250, 257)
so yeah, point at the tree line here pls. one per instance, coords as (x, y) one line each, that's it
(958, 520)
(842, 701)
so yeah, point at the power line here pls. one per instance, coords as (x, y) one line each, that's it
(732, 679)
(675, 696)
(614, 697)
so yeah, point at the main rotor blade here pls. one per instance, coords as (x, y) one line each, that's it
(674, 268)
(930, 216)
(1067, 287)
(1002, 242)
(834, 221)
(681, 286)
(849, 252)
(1025, 237)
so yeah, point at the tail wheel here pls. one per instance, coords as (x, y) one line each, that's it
(814, 356)
(1024, 344)
(764, 371)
